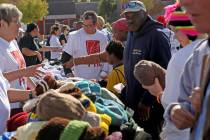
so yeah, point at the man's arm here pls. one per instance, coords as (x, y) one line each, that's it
(89, 59)
(28, 52)
(50, 49)
(178, 113)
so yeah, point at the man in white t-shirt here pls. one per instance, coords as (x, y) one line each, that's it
(85, 41)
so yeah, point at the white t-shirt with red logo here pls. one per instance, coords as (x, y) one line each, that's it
(81, 44)
(12, 59)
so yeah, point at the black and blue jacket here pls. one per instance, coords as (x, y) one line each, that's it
(148, 43)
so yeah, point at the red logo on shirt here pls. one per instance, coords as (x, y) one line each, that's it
(19, 58)
(21, 63)
(92, 47)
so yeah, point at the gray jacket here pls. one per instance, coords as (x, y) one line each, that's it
(190, 78)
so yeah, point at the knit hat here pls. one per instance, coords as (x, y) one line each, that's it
(92, 118)
(95, 88)
(87, 103)
(66, 87)
(120, 24)
(89, 87)
(74, 130)
(28, 131)
(162, 20)
(52, 129)
(98, 120)
(30, 105)
(113, 109)
(176, 16)
(54, 104)
(93, 133)
(146, 72)
(106, 94)
(16, 121)
(83, 86)
(106, 119)
(48, 82)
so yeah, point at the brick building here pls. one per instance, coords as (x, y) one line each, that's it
(64, 12)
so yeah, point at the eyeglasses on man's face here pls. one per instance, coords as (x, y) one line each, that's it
(88, 25)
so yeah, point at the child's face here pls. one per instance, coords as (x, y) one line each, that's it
(111, 59)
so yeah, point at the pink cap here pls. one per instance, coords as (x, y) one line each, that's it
(120, 24)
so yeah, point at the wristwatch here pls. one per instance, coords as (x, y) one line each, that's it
(30, 95)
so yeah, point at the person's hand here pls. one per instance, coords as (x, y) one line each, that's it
(33, 71)
(70, 75)
(144, 112)
(69, 64)
(39, 56)
(181, 118)
(195, 99)
(182, 38)
(155, 89)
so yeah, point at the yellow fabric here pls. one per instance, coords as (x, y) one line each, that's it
(104, 127)
(113, 78)
(28, 131)
(105, 122)
(106, 119)
(92, 107)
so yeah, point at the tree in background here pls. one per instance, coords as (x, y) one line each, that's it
(9, 1)
(107, 8)
(33, 10)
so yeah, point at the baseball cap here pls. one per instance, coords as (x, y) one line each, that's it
(120, 24)
(134, 6)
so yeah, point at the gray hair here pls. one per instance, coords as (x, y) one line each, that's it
(9, 11)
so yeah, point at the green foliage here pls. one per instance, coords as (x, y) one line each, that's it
(33, 10)
(107, 8)
(8, 1)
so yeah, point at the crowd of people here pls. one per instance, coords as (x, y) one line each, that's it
(138, 78)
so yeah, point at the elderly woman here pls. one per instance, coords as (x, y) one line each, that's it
(12, 64)
(11, 57)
